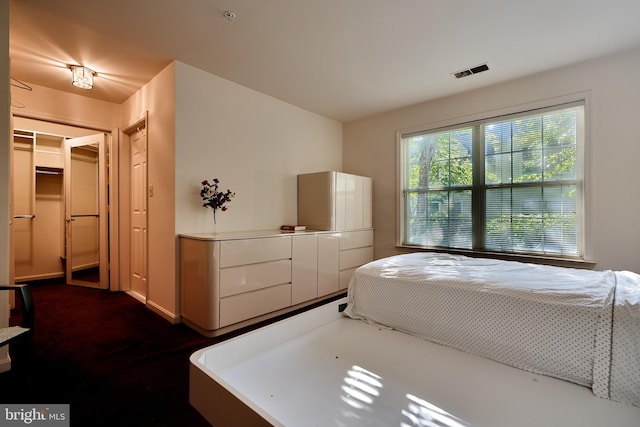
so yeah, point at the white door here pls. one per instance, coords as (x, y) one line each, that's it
(138, 214)
(86, 241)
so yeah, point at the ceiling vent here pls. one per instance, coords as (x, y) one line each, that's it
(469, 71)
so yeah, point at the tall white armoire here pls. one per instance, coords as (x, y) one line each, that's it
(342, 204)
(334, 201)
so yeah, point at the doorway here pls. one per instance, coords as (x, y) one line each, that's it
(135, 224)
(44, 179)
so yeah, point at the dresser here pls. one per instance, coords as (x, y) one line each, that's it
(232, 280)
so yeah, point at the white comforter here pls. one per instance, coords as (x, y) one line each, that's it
(579, 325)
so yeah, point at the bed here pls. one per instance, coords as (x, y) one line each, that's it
(370, 360)
(578, 325)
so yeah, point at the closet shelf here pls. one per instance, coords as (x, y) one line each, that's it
(49, 171)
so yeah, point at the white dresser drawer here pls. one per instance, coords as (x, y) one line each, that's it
(245, 306)
(251, 251)
(245, 278)
(355, 257)
(356, 239)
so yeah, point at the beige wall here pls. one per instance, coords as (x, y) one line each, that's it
(67, 108)
(614, 147)
(202, 126)
(255, 144)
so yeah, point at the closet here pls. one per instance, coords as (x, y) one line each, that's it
(38, 205)
(59, 194)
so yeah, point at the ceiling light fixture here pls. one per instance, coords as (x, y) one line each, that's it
(82, 76)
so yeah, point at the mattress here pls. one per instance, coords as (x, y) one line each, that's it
(576, 325)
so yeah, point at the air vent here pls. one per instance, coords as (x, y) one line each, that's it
(469, 71)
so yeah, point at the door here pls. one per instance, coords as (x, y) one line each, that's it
(138, 213)
(86, 241)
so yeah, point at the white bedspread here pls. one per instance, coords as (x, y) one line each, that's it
(548, 320)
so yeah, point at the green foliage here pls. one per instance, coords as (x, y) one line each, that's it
(532, 149)
(531, 233)
(440, 160)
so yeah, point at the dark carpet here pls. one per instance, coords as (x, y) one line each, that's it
(108, 356)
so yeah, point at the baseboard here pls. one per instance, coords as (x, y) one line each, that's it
(171, 317)
(137, 296)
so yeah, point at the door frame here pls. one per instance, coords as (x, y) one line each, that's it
(112, 182)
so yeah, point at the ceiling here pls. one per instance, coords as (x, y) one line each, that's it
(343, 59)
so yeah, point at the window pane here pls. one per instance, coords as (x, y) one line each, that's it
(498, 169)
(460, 220)
(532, 219)
(514, 219)
(541, 147)
(439, 218)
(416, 218)
(446, 159)
(560, 145)
(498, 138)
(527, 134)
(498, 219)
(561, 227)
(416, 149)
(560, 128)
(449, 219)
(439, 173)
(527, 165)
(559, 163)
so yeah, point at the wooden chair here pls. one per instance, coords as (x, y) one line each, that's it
(21, 335)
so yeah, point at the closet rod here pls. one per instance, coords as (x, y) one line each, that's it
(48, 172)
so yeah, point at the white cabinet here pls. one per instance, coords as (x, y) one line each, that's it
(328, 263)
(334, 201)
(231, 280)
(338, 201)
(223, 282)
(356, 249)
(304, 268)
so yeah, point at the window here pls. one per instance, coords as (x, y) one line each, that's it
(510, 184)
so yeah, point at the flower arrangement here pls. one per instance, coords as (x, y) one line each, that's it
(213, 198)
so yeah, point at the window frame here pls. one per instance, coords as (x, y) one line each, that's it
(478, 120)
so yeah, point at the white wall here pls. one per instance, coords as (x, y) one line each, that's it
(255, 144)
(157, 100)
(614, 174)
